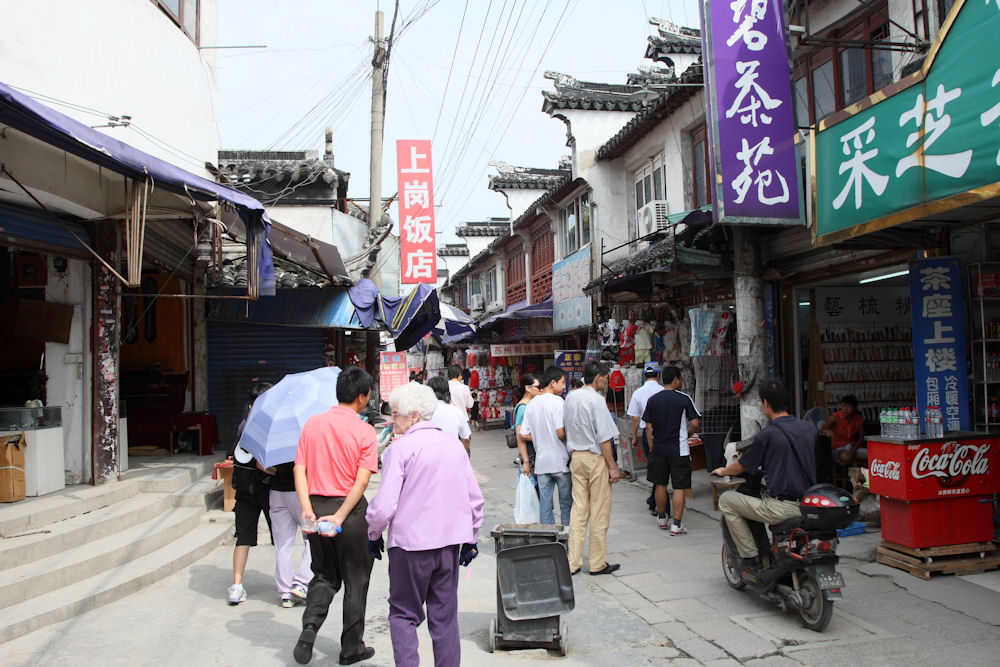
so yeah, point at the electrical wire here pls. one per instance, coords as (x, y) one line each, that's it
(451, 68)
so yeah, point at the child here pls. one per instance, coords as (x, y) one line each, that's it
(474, 412)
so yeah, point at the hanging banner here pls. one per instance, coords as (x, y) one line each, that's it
(752, 118)
(570, 306)
(417, 244)
(928, 146)
(939, 339)
(392, 372)
(522, 349)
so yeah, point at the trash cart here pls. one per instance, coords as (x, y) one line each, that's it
(534, 587)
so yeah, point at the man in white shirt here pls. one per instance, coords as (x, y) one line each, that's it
(543, 426)
(589, 430)
(449, 418)
(651, 371)
(461, 395)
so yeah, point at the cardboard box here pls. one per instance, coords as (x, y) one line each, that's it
(12, 481)
(228, 492)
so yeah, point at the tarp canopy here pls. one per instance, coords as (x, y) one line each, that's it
(409, 318)
(522, 310)
(453, 323)
(27, 115)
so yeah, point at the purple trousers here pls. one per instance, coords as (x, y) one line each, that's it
(417, 578)
(286, 517)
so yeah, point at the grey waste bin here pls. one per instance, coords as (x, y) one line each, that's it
(534, 587)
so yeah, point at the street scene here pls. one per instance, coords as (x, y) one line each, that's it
(441, 331)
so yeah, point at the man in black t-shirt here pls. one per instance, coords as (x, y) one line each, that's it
(670, 418)
(787, 471)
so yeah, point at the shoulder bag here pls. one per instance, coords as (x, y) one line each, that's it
(510, 433)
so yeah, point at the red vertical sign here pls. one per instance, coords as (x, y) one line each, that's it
(417, 247)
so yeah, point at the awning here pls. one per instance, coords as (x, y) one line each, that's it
(522, 310)
(409, 318)
(28, 229)
(301, 307)
(453, 323)
(45, 124)
(303, 250)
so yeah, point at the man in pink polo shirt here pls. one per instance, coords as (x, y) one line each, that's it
(336, 457)
(430, 496)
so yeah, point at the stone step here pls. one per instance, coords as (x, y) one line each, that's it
(56, 538)
(23, 582)
(34, 513)
(205, 493)
(212, 529)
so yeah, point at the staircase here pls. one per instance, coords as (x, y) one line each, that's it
(74, 550)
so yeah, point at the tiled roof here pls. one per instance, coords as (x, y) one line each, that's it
(642, 123)
(555, 194)
(659, 254)
(526, 178)
(453, 250)
(473, 263)
(588, 95)
(245, 167)
(672, 39)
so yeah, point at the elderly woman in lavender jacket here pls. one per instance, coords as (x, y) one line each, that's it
(429, 498)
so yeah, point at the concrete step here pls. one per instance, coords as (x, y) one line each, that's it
(212, 529)
(205, 493)
(61, 536)
(33, 513)
(170, 473)
(34, 578)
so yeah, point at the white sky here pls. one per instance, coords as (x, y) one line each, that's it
(315, 73)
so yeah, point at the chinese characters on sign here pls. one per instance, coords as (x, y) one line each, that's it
(572, 362)
(880, 307)
(939, 339)
(417, 247)
(753, 129)
(923, 148)
(522, 349)
(570, 306)
(392, 373)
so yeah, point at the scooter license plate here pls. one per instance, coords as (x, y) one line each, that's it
(828, 578)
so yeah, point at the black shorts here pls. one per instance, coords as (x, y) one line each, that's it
(248, 508)
(663, 470)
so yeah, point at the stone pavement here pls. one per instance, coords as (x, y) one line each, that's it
(667, 604)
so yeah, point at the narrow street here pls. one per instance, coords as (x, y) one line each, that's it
(667, 604)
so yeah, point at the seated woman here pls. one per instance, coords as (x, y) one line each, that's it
(846, 430)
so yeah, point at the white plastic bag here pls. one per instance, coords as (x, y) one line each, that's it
(525, 501)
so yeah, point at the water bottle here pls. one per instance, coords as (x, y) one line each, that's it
(915, 423)
(325, 528)
(893, 423)
(904, 421)
(883, 422)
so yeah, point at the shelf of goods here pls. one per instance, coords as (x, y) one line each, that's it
(983, 290)
(875, 364)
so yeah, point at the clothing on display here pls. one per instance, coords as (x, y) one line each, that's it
(643, 342)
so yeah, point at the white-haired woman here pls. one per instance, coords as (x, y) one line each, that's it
(429, 494)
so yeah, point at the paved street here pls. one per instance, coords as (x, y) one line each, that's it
(668, 603)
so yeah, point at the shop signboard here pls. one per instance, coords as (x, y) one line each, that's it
(417, 245)
(939, 339)
(570, 306)
(572, 362)
(392, 372)
(873, 307)
(522, 349)
(749, 101)
(927, 144)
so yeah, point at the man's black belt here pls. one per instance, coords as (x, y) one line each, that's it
(794, 500)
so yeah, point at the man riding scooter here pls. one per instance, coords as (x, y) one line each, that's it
(788, 472)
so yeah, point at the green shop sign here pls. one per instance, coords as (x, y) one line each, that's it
(926, 144)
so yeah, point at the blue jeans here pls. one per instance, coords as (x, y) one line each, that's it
(564, 482)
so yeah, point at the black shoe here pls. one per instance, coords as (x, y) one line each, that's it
(575, 572)
(303, 651)
(608, 569)
(364, 655)
(753, 564)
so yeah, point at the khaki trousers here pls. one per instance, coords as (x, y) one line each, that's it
(738, 507)
(591, 504)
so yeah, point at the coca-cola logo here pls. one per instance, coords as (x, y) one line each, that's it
(885, 469)
(953, 465)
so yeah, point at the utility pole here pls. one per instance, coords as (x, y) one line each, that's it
(378, 116)
(748, 286)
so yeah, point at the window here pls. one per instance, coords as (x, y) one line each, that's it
(700, 167)
(649, 182)
(576, 224)
(184, 13)
(490, 286)
(833, 78)
(514, 282)
(944, 8)
(477, 286)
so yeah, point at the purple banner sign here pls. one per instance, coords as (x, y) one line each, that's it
(752, 116)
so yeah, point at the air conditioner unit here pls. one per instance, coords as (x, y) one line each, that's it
(652, 218)
(476, 302)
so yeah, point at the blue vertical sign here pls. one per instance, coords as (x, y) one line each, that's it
(939, 339)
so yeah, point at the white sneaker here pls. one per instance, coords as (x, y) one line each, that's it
(299, 591)
(663, 521)
(678, 529)
(237, 594)
(287, 601)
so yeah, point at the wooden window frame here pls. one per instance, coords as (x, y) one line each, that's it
(700, 134)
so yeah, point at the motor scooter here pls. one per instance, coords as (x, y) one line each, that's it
(799, 560)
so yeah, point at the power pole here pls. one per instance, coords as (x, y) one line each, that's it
(748, 286)
(378, 115)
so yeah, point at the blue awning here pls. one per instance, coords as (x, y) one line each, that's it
(409, 318)
(522, 310)
(33, 118)
(302, 307)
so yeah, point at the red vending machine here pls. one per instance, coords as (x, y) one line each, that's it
(935, 492)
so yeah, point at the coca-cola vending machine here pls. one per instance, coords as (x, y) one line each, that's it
(935, 492)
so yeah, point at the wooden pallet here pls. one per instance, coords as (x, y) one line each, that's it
(969, 558)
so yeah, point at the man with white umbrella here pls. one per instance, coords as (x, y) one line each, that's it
(337, 454)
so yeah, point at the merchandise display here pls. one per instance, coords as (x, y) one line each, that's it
(875, 364)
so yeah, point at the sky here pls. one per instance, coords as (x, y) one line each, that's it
(466, 73)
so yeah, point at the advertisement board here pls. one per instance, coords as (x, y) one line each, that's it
(392, 373)
(417, 242)
(570, 306)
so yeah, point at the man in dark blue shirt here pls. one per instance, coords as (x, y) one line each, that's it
(788, 472)
(670, 418)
